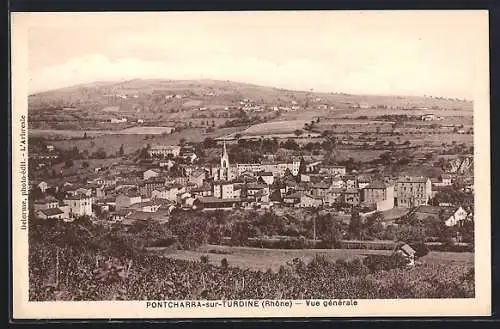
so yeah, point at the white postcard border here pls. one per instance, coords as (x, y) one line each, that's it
(23, 309)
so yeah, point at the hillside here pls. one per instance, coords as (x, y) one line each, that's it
(159, 95)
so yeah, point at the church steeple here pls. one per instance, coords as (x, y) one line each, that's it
(224, 161)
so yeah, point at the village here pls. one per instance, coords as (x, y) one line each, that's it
(173, 178)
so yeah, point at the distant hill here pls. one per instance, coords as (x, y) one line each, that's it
(159, 95)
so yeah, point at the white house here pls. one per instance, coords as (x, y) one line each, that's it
(164, 150)
(43, 186)
(307, 201)
(456, 217)
(50, 213)
(446, 180)
(150, 173)
(223, 190)
(125, 200)
(267, 177)
(79, 206)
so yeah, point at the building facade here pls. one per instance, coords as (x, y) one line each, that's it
(413, 191)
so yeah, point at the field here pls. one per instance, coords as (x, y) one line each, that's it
(466, 112)
(275, 127)
(263, 259)
(132, 142)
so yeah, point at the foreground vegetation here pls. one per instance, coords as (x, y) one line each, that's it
(84, 261)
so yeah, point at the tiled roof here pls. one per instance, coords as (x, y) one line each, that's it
(376, 185)
(217, 200)
(52, 211)
(412, 179)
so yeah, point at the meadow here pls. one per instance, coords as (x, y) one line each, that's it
(263, 259)
(275, 127)
(131, 142)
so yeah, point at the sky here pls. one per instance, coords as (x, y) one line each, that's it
(393, 53)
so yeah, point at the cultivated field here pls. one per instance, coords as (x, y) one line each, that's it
(263, 259)
(275, 127)
(465, 112)
(111, 143)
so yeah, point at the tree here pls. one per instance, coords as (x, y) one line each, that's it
(298, 132)
(182, 141)
(355, 225)
(100, 153)
(68, 163)
(121, 152)
(85, 135)
(290, 144)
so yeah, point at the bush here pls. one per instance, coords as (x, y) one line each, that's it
(224, 263)
(420, 249)
(204, 259)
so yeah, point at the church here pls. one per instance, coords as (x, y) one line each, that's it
(225, 171)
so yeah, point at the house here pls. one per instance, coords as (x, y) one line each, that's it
(173, 191)
(457, 217)
(213, 203)
(450, 215)
(43, 186)
(407, 252)
(163, 151)
(149, 206)
(205, 190)
(337, 183)
(50, 148)
(50, 213)
(332, 170)
(349, 182)
(350, 197)
(313, 166)
(363, 182)
(120, 215)
(446, 180)
(148, 186)
(223, 190)
(46, 203)
(125, 200)
(413, 191)
(168, 163)
(292, 199)
(309, 201)
(320, 189)
(379, 193)
(81, 191)
(253, 188)
(429, 117)
(266, 176)
(150, 173)
(197, 177)
(79, 206)
(333, 196)
(305, 178)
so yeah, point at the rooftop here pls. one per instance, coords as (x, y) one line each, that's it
(217, 200)
(412, 179)
(52, 211)
(377, 185)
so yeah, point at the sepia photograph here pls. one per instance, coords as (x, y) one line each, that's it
(189, 164)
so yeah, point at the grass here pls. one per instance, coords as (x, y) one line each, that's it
(263, 259)
(275, 127)
(131, 142)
